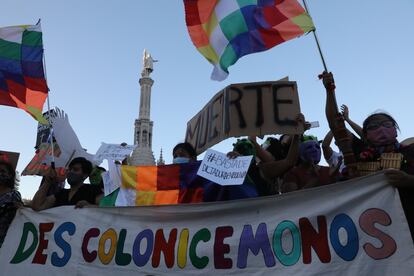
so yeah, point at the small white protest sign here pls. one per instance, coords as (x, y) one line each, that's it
(113, 152)
(112, 178)
(217, 167)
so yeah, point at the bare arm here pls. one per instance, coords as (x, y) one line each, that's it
(331, 107)
(326, 145)
(357, 128)
(275, 169)
(263, 154)
(337, 125)
(40, 200)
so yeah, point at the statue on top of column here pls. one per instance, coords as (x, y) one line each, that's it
(147, 62)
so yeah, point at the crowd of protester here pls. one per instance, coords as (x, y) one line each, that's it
(282, 164)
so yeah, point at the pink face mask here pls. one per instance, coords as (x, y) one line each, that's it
(382, 136)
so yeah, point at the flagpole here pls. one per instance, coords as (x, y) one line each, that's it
(320, 53)
(317, 40)
(335, 119)
(50, 128)
(48, 110)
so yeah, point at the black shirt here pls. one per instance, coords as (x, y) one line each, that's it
(407, 202)
(407, 194)
(85, 192)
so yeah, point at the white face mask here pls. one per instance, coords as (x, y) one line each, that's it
(181, 160)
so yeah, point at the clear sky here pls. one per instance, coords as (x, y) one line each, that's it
(94, 49)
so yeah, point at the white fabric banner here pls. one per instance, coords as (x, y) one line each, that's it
(351, 228)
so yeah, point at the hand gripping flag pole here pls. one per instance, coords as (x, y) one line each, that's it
(335, 119)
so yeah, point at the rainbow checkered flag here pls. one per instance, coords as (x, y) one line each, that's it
(225, 30)
(177, 184)
(22, 79)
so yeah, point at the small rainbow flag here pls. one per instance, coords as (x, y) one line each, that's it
(176, 184)
(225, 30)
(22, 80)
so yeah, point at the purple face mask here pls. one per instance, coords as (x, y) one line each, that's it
(310, 151)
(382, 136)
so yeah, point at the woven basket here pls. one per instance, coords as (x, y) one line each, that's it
(391, 160)
(367, 168)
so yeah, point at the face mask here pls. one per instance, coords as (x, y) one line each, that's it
(382, 136)
(74, 178)
(310, 152)
(181, 160)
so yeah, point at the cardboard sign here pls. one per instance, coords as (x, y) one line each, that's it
(351, 228)
(43, 131)
(217, 167)
(113, 152)
(40, 163)
(246, 109)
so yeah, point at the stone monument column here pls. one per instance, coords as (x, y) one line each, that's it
(143, 154)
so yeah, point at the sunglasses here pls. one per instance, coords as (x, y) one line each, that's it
(376, 125)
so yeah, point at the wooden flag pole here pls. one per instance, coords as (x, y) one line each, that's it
(331, 109)
(48, 110)
(317, 40)
(50, 130)
(335, 118)
(331, 96)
